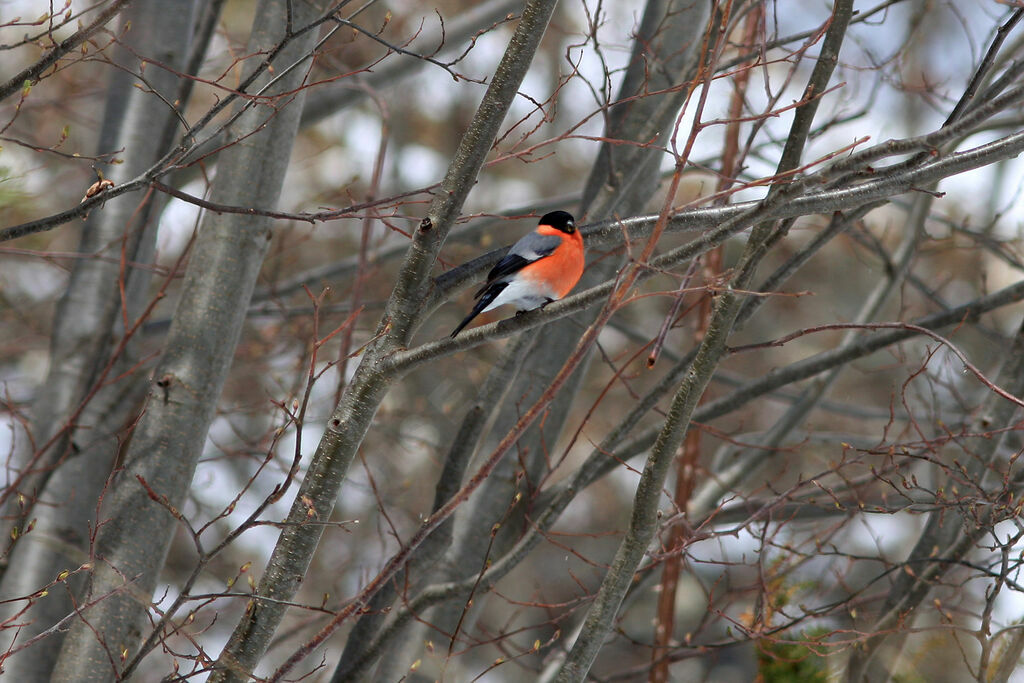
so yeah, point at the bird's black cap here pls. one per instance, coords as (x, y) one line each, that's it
(559, 220)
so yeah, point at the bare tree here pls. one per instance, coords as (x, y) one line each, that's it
(772, 435)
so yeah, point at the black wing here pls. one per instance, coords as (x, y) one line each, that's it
(524, 252)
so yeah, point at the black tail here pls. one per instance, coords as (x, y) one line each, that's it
(487, 295)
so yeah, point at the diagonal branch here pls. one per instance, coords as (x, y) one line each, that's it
(352, 417)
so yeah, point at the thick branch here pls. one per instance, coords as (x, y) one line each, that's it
(350, 421)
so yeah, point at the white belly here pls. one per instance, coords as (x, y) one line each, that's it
(521, 294)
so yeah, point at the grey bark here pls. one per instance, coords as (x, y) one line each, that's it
(133, 543)
(624, 177)
(352, 417)
(555, 499)
(880, 184)
(361, 647)
(86, 326)
(894, 180)
(644, 519)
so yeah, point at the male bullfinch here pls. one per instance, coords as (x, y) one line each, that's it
(540, 268)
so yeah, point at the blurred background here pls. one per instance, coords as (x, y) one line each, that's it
(783, 570)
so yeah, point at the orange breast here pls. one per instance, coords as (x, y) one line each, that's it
(559, 272)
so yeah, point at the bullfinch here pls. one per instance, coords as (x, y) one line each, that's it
(540, 268)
